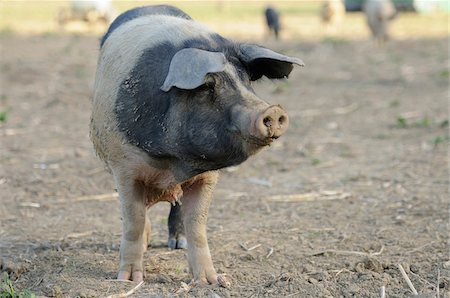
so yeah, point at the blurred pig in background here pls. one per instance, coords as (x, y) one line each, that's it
(332, 14)
(90, 11)
(379, 14)
(273, 21)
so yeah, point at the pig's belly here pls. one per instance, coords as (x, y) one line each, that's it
(172, 195)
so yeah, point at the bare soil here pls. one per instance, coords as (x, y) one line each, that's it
(358, 185)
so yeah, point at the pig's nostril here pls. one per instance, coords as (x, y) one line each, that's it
(281, 120)
(267, 121)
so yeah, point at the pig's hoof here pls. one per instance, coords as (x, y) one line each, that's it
(216, 280)
(136, 276)
(179, 242)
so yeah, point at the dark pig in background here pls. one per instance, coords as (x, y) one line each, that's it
(273, 21)
(172, 104)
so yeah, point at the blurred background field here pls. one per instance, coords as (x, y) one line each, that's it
(300, 19)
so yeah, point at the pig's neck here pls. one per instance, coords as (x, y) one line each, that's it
(185, 170)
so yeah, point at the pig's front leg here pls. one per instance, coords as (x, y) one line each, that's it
(133, 242)
(196, 201)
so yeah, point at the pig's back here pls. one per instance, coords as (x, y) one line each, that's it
(143, 11)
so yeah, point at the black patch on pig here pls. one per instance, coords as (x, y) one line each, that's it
(186, 127)
(143, 11)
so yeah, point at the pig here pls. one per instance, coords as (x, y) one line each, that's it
(172, 104)
(332, 13)
(273, 21)
(87, 10)
(379, 13)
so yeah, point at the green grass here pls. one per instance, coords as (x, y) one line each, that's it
(444, 73)
(424, 122)
(315, 161)
(7, 290)
(401, 122)
(394, 103)
(4, 115)
(441, 140)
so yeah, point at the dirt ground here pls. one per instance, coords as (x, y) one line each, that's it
(358, 185)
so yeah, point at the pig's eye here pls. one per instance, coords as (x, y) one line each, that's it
(208, 87)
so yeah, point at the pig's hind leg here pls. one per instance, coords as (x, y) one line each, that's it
(196, 200)
(177, 237)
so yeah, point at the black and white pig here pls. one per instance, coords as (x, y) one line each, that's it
(172, 104)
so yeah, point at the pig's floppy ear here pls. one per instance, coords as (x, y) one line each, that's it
(189, 67)
(264, 62)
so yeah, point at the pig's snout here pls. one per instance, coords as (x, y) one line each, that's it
(271, 123)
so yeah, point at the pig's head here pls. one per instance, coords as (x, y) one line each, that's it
(208, 116)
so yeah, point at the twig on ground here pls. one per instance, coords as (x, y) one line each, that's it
(340, 252)
(349, 252)
(253, 247)
(268, 210)
(13, 131)
(129, 293)
(420, 247)
(243, 246)
(437, 284)
(408, 281)
(249, 249)
(269, 253)
(103, 197)
(77, 235)
(383, 292)
(170, 252)
(342, 270)
(321, 229)
(30, 204)
(377, 253)
(183, 289)
(346, 110)
(422, 279)
(311, 196)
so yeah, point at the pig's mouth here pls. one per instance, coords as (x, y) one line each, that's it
(251, 139)
(259, 142)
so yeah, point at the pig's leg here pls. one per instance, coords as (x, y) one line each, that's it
(196, 200)
(147, 232)
(133, 240)
(176, 228)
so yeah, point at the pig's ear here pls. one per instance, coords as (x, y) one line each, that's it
(189, 67)
(264, 62)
